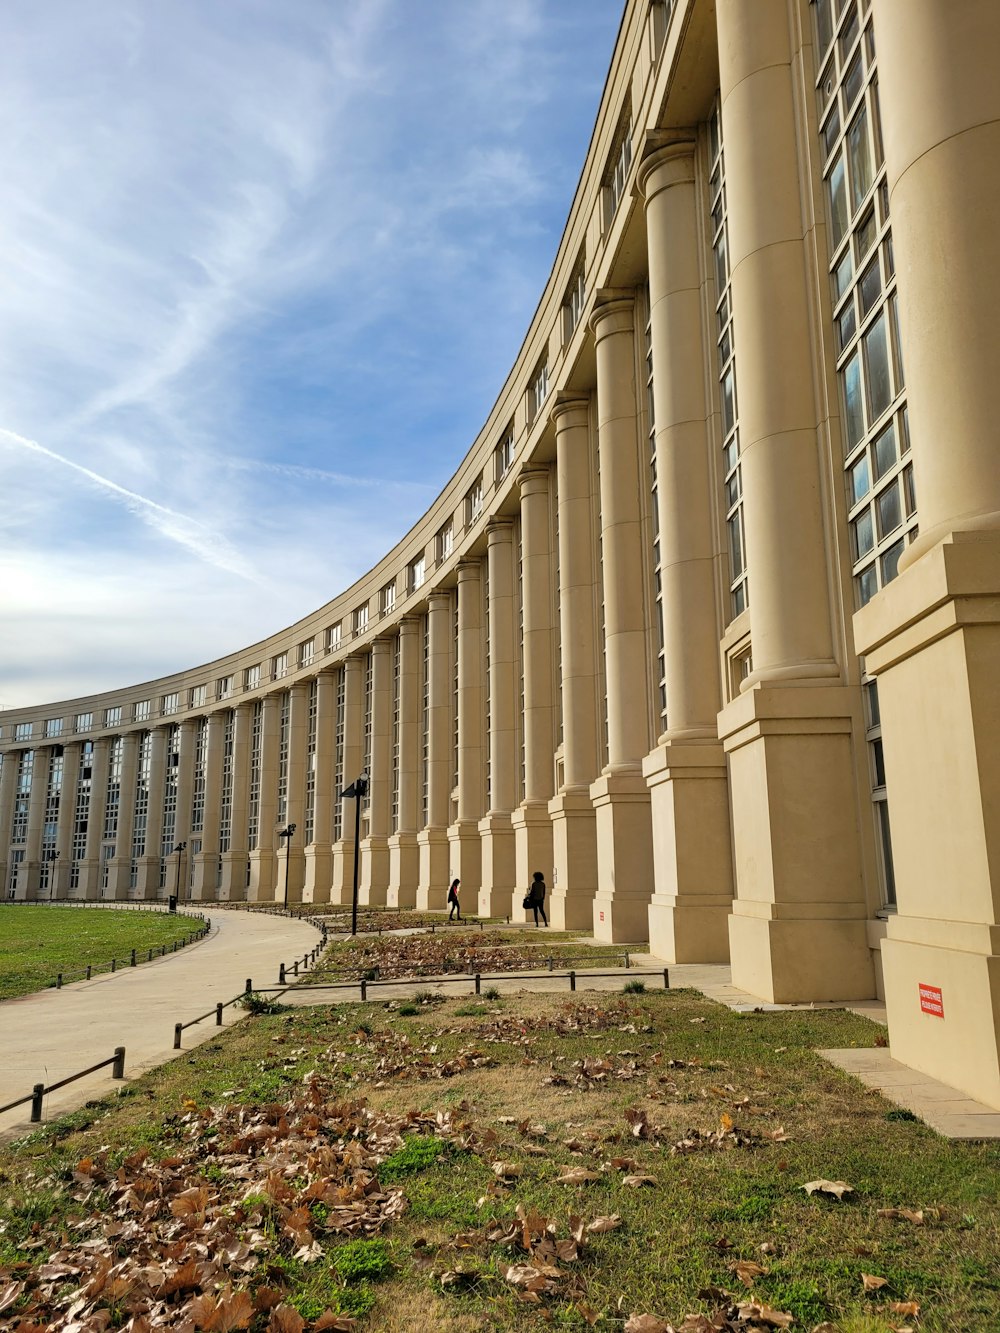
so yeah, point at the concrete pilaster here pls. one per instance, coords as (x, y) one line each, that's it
(686, 771)
(465, 862)
(432, 840)
(233, 863)
(59, 873)
(318, 855)
(8, 781)
(263, 859)
(292, 856)
(205, 882)
(793, 728)
(620, 795)
(90, 868)
(404, 859)
(574, 828)
(354, 722)
(374, 881)
(120, 866)
(148, 869)
(496, 835)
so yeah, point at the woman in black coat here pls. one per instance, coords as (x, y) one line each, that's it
(536, 896)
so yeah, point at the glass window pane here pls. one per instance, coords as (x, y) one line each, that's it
(864, 235)
(879, 762)
(847, 326)
(871, 287)
(837, 186)
(860, 153)
(721, 262)
(735, 547)
(890, 879)
(843, 275)
(909, 492)
(890, 513)
(890, 561)
(860, 480)
(896, 344)
(874, 716)
(731, 454)
(831, 130)
(853, 405)
(853, 80)
(877, 369)
(885, 451)
(864, 536)
(824, 23)
(849, 32)
(728, 404)
(867, 583)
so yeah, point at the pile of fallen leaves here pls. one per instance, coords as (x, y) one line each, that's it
(444, 952)
(163, 1244)
(393, 1056)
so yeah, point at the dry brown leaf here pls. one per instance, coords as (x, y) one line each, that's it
(637, 1182)
(764, 1314)
(904, 1215)
(746, 1270)
(905, 1307)
(872, 1283)
(577, 1175)
(285, 1319)
(507, 1170)
(602, 1224)
(646, 1323)
(328, 1322)
(838, 1188)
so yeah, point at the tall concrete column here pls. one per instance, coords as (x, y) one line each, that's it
(148, 869)
(319, 865)
(90, 869)
(233, 863)
(59, 874)
(354, 727)
(496, 892)
(30, 875)
(292, 855)
(620, 795)
(120, 868)
(186, 736)
(263, 857)
(404, 857)
(374, 881)
(432, 839)
(686, 771)
(932, 637)
(8, 786)
(794, 728)
(531, 820)
(465, 860)
(205, 882)
(574, 827)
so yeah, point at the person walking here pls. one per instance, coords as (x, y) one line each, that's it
(536, 897)
(456, 910)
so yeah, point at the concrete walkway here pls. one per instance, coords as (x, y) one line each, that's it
(46, 1036)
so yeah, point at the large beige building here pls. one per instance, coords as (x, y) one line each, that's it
(713, 601)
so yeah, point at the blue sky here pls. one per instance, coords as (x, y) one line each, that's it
(266, 267)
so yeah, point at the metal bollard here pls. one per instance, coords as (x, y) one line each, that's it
(118, 1068)
(364, 989)
(295, 968)
(58, 981)
(88, 971)
(572, 981)
(281, 974)
(133, 958)
(114, 964)
(552, 963)
(149, 956)
(37, 1093)
(666, 979)
(433, 927)
(218, 1015)
(178, 1029)
(627, 962)
(479, 981)
(249, 986)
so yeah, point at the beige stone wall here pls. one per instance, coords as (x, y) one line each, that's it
(776, 289)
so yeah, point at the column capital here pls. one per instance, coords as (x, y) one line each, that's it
(382, 643)
(498, 529)
(569, 410)
(614, 312)
(667, 158)
(470, 571)
(533, 479)
(439, 595)
(409, 624)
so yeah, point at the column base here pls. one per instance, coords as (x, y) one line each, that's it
(233, 882)
(692, 855)
(496, 840)
(119, 874)
(465, 861)
(404, 870)
(205, 884)
(147, 882)
(319, 873)
(262, 876)
(799, 925)
(373, 883)
(432, 887)
(574, 858)
(90, 880)
(624, 857)
(532, 851)
(342, 881)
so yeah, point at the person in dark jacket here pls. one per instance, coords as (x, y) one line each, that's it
(453, 903)
(536, 896)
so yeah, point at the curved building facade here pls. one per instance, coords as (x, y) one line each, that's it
(712, 602)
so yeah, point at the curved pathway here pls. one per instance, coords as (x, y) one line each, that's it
(46, 1036)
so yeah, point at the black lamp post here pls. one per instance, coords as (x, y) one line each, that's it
(358, 790)
(287, 834)
(179, 849)
(49, 856)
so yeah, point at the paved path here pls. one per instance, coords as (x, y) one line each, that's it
(53, 1033)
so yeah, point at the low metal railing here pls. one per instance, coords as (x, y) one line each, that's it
(39, 1091)
(364, 984)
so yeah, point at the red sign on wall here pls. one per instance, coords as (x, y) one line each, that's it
(930, 1000)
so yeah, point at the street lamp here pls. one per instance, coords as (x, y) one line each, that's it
(49, 856)
(179, 849)
(357, 790)
(287, 833)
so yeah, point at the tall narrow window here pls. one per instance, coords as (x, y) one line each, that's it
(538, 389)
(575, 299)
(198, 785)
(739, 593)
(50, 824)
(660, 670)
(253, 794)
(140, 818)
(425, 725)
(397, 722)
(338, 757)
(283, 739)
(881, 499)
(619, 164)
(81, 812)
(474, 502)
(310, 815)
(226, 794)
(445, 540)
(503, 455)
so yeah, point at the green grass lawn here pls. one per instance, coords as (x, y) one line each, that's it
(532, 1163)
(36, 943)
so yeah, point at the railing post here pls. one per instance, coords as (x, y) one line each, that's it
(295, 968)
(58, 981)
(666, 979)
(364, 989)
(248, 987)
(37, 1093)
(218, 1015)
(572, 981)
(88, 971)
(552, 963)
(479, 980)
(133, 958)
(149, 955)
(114, 964)
(118, 1068)
(627, 962)
(178, 1029)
